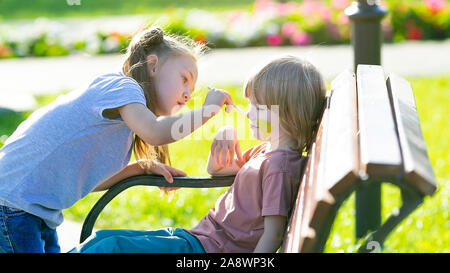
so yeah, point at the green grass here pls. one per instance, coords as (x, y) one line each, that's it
(14, 9)
(425, 230)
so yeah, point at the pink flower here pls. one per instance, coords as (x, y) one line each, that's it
(325, 12)
(280, 9)
(264, 5)
(310, 7)
(340, 4)
(288, 29)
(287, 8)
(435, 5)
(300, 38)
(234, 17)
(343, 19)
(274, 40)
(333, 30)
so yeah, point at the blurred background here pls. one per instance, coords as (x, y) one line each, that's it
(50, 47)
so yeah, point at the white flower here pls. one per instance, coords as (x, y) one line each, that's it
(208, 21)
(272, 29)
(111, 44)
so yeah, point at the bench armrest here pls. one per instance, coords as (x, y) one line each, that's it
(149, 180)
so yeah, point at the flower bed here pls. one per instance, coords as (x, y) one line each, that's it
(269, 23)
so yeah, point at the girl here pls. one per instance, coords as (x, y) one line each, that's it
(83, 140)
(251, 215)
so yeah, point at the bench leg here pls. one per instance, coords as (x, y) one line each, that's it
(368, 207)
(410, 201)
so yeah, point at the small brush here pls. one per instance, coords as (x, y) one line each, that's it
(240, 110)
(235, 107)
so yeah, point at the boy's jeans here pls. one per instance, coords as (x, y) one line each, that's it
(24, 232)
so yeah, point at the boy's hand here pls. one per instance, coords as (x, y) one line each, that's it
(224, 145)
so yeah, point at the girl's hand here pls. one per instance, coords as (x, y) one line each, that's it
(224, 145)
(217, 98)
(165, 170)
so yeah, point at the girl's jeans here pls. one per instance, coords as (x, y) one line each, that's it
(24, 232)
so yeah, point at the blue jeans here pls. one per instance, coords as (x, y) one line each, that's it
(165, 240)
(24, 232)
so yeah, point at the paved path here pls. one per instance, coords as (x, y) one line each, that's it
(21, 78)
(68, 235)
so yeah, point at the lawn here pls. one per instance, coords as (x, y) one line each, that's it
(426, 230)
(61, 8)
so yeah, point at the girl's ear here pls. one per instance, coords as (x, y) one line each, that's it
(152, 63)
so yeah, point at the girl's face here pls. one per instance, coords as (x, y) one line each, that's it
(174, 83)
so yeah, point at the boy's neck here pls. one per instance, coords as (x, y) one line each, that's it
(283, 143)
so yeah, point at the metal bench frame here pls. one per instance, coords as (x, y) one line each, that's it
(348, 133)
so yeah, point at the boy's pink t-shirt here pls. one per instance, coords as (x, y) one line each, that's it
(265, 185)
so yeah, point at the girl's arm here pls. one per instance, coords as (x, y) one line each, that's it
(163, 130)
(134, 168)
(221, 160)
(270, 241)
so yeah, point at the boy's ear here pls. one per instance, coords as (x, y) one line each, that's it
(152, 63)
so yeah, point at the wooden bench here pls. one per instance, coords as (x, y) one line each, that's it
(369, 133)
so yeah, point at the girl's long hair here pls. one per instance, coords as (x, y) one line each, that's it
(153, 40)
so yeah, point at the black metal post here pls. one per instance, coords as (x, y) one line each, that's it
(366, 16)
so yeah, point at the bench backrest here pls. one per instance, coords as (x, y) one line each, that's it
(368, 129)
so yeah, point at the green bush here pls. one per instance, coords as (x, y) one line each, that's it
(268, 23)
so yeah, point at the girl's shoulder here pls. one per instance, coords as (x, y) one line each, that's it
(114, 79)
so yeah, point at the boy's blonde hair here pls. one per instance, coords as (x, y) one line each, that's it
(297, 87)
(154, 41)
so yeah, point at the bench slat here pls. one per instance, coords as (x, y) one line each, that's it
(293, 236)
(317, 195)
(338, 171)
(298, 226)
(418, 171)
(379, 146)
(342, 155)
(332, 171)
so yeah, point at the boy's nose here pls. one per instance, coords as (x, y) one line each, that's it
(186, 96)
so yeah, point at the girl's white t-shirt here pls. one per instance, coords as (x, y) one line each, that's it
(65, 149)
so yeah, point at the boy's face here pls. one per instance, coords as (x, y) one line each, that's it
(174, 83)
(260, 120)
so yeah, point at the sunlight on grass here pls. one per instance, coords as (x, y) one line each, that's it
(425, 230)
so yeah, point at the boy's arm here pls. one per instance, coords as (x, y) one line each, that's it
(274, 228)
(216, 169)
